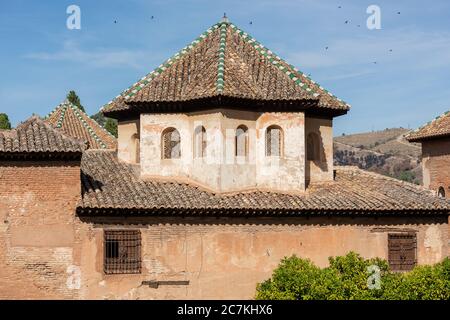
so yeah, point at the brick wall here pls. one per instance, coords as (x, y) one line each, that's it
(436, 164)
(37, 213)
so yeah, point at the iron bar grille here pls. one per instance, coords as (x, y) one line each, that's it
(402, 251)
(122, 251)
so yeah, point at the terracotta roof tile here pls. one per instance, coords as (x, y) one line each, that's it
(108, 184)
(76, 123)
(438, 128)
(34, 135)
(224, 61)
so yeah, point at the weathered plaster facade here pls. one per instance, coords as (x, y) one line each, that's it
(221, 170)
(220, 258)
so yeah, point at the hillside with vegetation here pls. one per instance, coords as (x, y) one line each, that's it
(386, 152)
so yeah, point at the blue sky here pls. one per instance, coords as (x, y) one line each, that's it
(41, 60)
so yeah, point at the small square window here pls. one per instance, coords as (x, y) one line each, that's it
(122, 251)
(402, 251)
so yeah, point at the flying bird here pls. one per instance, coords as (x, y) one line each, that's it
(250, 22)
(339, 7)
(326, 48)
(152, 17)
(115, 21)
(398, 12)
(346, 21)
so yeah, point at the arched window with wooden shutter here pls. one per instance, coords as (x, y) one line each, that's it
(171, 144)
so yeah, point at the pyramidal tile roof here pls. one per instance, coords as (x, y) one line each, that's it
(437, 128)
(76, 123)
(224, 61)
(36, 136)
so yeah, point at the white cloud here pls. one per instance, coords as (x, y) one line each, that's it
(100, 58)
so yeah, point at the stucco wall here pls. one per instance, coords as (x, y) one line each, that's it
(226, 258)
(128, 141)
(436, 164)
(37, 229)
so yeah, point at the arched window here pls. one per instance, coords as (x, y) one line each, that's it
(274, 141)
(441, 192)
(170, 144)
(312, 147)
(241, 142)
(200, 142)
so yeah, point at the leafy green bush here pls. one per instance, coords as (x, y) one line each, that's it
(347, 278)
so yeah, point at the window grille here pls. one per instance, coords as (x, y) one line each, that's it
(122, 251)
(402, 251)
(274, 137)
(171, 144)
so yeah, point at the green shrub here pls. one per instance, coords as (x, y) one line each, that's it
(346, 278)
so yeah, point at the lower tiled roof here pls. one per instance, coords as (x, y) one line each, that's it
(437, 128)
(109, 186)
(36, 136)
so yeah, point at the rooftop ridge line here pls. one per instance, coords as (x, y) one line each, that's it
(275, 59)
(87, 126)
(221, 65)
(437, 118)
(126, 94)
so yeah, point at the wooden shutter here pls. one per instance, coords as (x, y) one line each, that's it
(402, 251)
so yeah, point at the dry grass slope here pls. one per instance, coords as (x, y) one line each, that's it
(385, 152)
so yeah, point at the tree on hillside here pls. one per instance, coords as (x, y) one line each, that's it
(4, 121)
(109, 124)
(73, 97)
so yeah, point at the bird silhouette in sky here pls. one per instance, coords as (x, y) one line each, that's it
(339, 7)
(250, 22)
(115, 21)
(152, 17)
(346, 21)
(398, 12)
(326, 48)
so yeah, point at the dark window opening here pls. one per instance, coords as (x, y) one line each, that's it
(122, 251)
(441, 192)
(402, 251)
